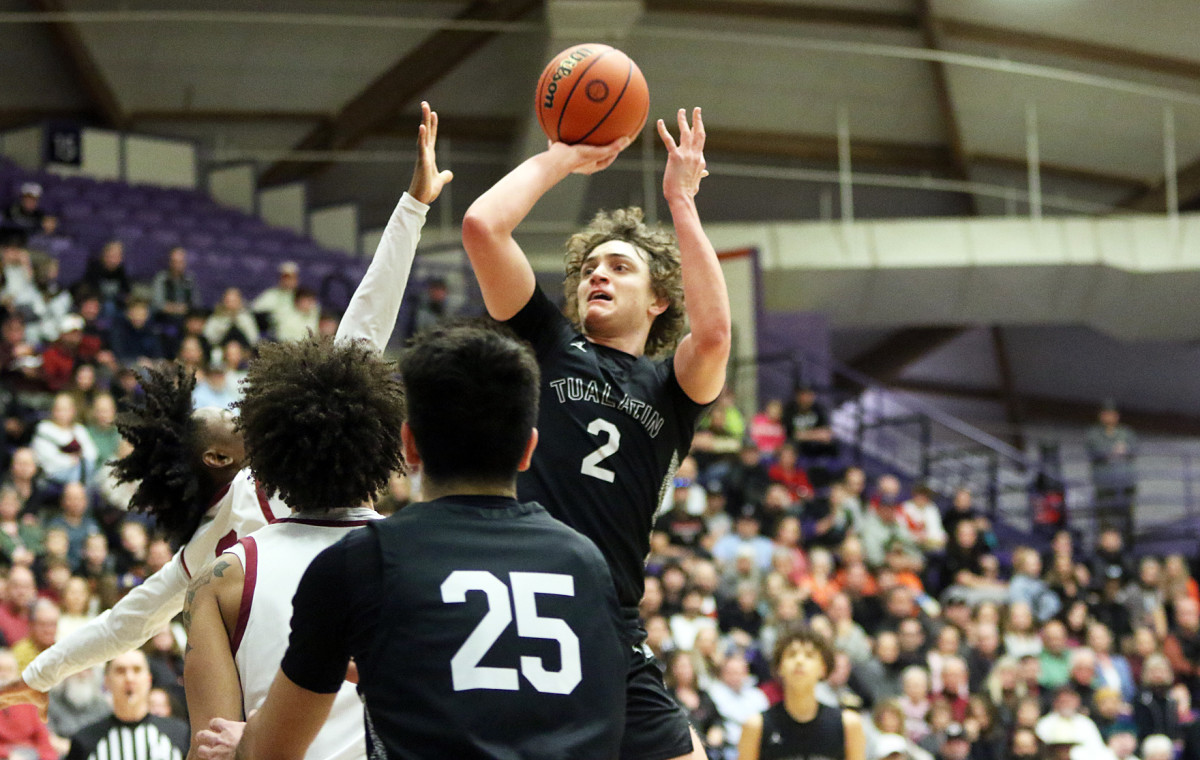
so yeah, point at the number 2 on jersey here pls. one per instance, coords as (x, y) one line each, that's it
(465, 671)
(591, 463)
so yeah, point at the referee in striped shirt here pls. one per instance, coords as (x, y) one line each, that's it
(131, 732)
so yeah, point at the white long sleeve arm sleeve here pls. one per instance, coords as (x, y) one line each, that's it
(375, 304)
(140, 614)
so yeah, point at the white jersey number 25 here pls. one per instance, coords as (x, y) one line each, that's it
(465, 670)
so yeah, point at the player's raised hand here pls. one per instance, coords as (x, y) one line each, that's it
(220, 740)
(685, 160)
(427, 181)
(588, 159)
(20, 693)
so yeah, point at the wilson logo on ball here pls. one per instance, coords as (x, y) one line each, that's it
(564, 69)
(613, 100)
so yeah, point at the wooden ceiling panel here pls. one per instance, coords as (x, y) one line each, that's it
(260, 85)
(44, 81)
(498, 80)
(1069, 48)
(1157, 29)
(78, 61)
(1078, 125)
(883, 15)
(784, 90)
(237, 66)
(406, 79)
(226, 139)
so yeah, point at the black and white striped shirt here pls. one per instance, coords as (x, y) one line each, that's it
(151, 738)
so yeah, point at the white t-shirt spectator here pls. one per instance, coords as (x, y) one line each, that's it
(925, 524)
(684, 629)
(64, 454)
(736, 707)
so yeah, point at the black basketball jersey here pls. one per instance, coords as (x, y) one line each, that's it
(783, 738)
(612, 428)
(497, 637)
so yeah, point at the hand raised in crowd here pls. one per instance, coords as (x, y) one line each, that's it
(427, 181)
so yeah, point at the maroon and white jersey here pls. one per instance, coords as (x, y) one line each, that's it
(273, 561)
(237, 510)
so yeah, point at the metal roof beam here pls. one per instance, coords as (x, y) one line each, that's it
(1068, 48)
(931, 36)
(792, 12)
(83, 66)
(385, 98)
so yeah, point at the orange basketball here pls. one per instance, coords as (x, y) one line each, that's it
(592, 94)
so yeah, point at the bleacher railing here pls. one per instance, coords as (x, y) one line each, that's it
(893, 430)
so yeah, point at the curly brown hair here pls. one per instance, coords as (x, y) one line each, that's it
(801, 633)
(666, 275)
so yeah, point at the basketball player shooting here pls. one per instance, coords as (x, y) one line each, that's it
(615, 421)
(191, 463)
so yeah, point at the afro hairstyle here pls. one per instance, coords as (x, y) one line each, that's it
(321, 422)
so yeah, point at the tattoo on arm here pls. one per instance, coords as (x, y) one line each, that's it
(203, 579)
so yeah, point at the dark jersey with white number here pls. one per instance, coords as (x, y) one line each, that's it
(612, 430)
(481, 627)
(785, 738)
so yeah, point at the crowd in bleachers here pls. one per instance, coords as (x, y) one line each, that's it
(70, 352)
(947, 641)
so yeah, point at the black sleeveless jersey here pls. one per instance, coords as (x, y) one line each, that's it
(783, 738)
(612, 430)
(482, 628)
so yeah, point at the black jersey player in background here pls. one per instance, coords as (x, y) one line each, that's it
(799, 727)
(481, 626)
(615, 422)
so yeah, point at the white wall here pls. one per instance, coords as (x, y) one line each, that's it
(368, 241)
(335, 227)
(233, 186)
(23, 146)
(739, 270)
(109, 155)
(284, 206)
(157, 161)
(1131, 277)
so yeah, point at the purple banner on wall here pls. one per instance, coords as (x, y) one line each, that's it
(63, 144)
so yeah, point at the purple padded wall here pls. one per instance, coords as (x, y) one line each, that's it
(228, 247)
(785, 339)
